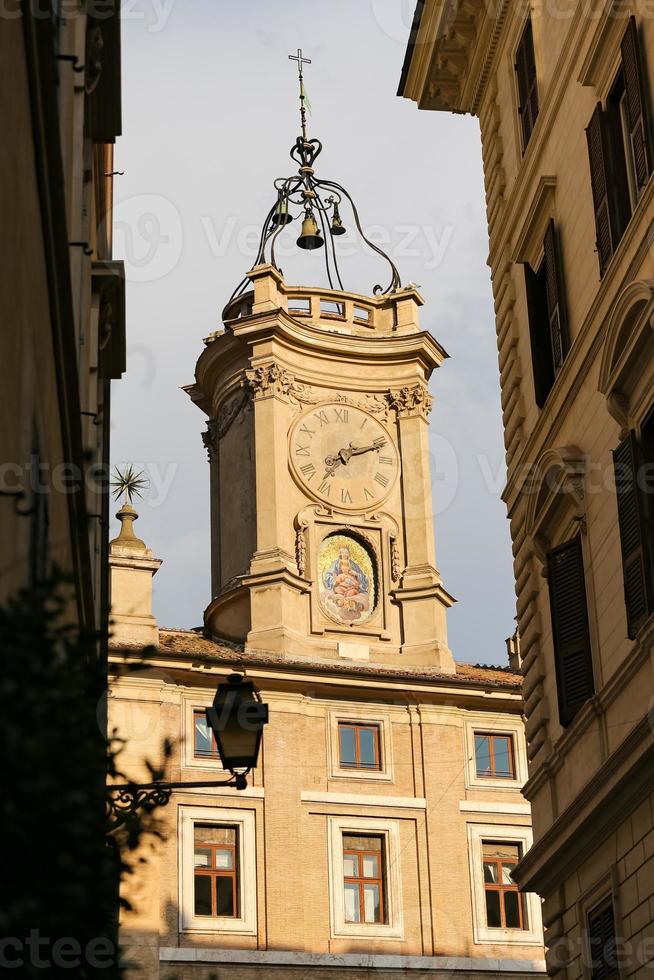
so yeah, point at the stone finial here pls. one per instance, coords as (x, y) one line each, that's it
(127, 542)
(132, 568)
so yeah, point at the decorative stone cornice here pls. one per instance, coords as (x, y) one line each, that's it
(410, 400)
(272, 380)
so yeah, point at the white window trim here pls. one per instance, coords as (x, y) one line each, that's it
(477, 833)
(495, 724)
(365, 717)
(389, 830)
(189, 759)
(244, 821)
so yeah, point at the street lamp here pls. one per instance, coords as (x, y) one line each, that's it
(236, 718)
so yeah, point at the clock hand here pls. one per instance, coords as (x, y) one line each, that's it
(376, 445)
(344, 455)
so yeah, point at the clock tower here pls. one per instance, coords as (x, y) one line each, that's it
(322, 538)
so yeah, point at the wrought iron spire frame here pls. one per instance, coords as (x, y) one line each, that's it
(312, 196)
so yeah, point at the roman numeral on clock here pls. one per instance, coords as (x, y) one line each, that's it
(309, 470)
(342, 414)
(381, 479)
(322, 417)
(386, 460)
(325, 488)
(307, 431)
(302, 450)
(369, 495)
(345, 497)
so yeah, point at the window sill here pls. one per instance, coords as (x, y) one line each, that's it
(367, 930)
(222, 927)
(510, 937)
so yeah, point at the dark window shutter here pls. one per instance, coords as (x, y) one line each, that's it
(539, 334)
(525, 68)
(602, 942)
(598, 138)
(635, 105)
(632, 533)
(574, 666)
(555, 298)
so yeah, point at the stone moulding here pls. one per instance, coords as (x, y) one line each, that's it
(558, 477)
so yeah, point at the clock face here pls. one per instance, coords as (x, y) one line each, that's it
(343, 456)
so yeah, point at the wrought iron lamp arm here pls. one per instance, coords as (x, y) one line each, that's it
(124, 800)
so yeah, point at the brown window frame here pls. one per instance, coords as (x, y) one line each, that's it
(214, 873)
(360, 881)
(213, 754)
(493, 774)
(502, 889)
(358, 727)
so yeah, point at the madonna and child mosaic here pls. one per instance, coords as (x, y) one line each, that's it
(347, 580)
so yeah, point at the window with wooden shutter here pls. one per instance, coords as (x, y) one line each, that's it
(602, 942)
(633, 535)
(598, 138)
(525, 69)
(571, 637)
(547, 318)
(636, 117)
(558, 330)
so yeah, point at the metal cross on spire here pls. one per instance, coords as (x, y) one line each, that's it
(303, 95)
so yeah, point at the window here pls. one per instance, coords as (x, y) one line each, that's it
(363, 878)
(619, 150)
(494, 756)
(570, 631)
(602, 941)
(525, 69)
(635, 519)
(571, 637)
(215, 860)
(358, 746)
(218, 869)
(505, 906)
(204, 740)
(548, 327)
(501, 914)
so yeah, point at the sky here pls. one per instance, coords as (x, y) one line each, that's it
(210, 112)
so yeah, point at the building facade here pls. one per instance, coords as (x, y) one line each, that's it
(563, 97)
(380, 828)
(62, 299)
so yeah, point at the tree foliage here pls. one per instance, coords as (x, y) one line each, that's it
(61, 870)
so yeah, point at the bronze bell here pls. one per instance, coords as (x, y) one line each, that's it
(281, 215)
(310, 237)
(337, 225)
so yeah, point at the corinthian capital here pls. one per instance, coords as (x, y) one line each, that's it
(410, 400)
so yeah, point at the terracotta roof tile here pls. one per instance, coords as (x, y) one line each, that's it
(192, 642)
